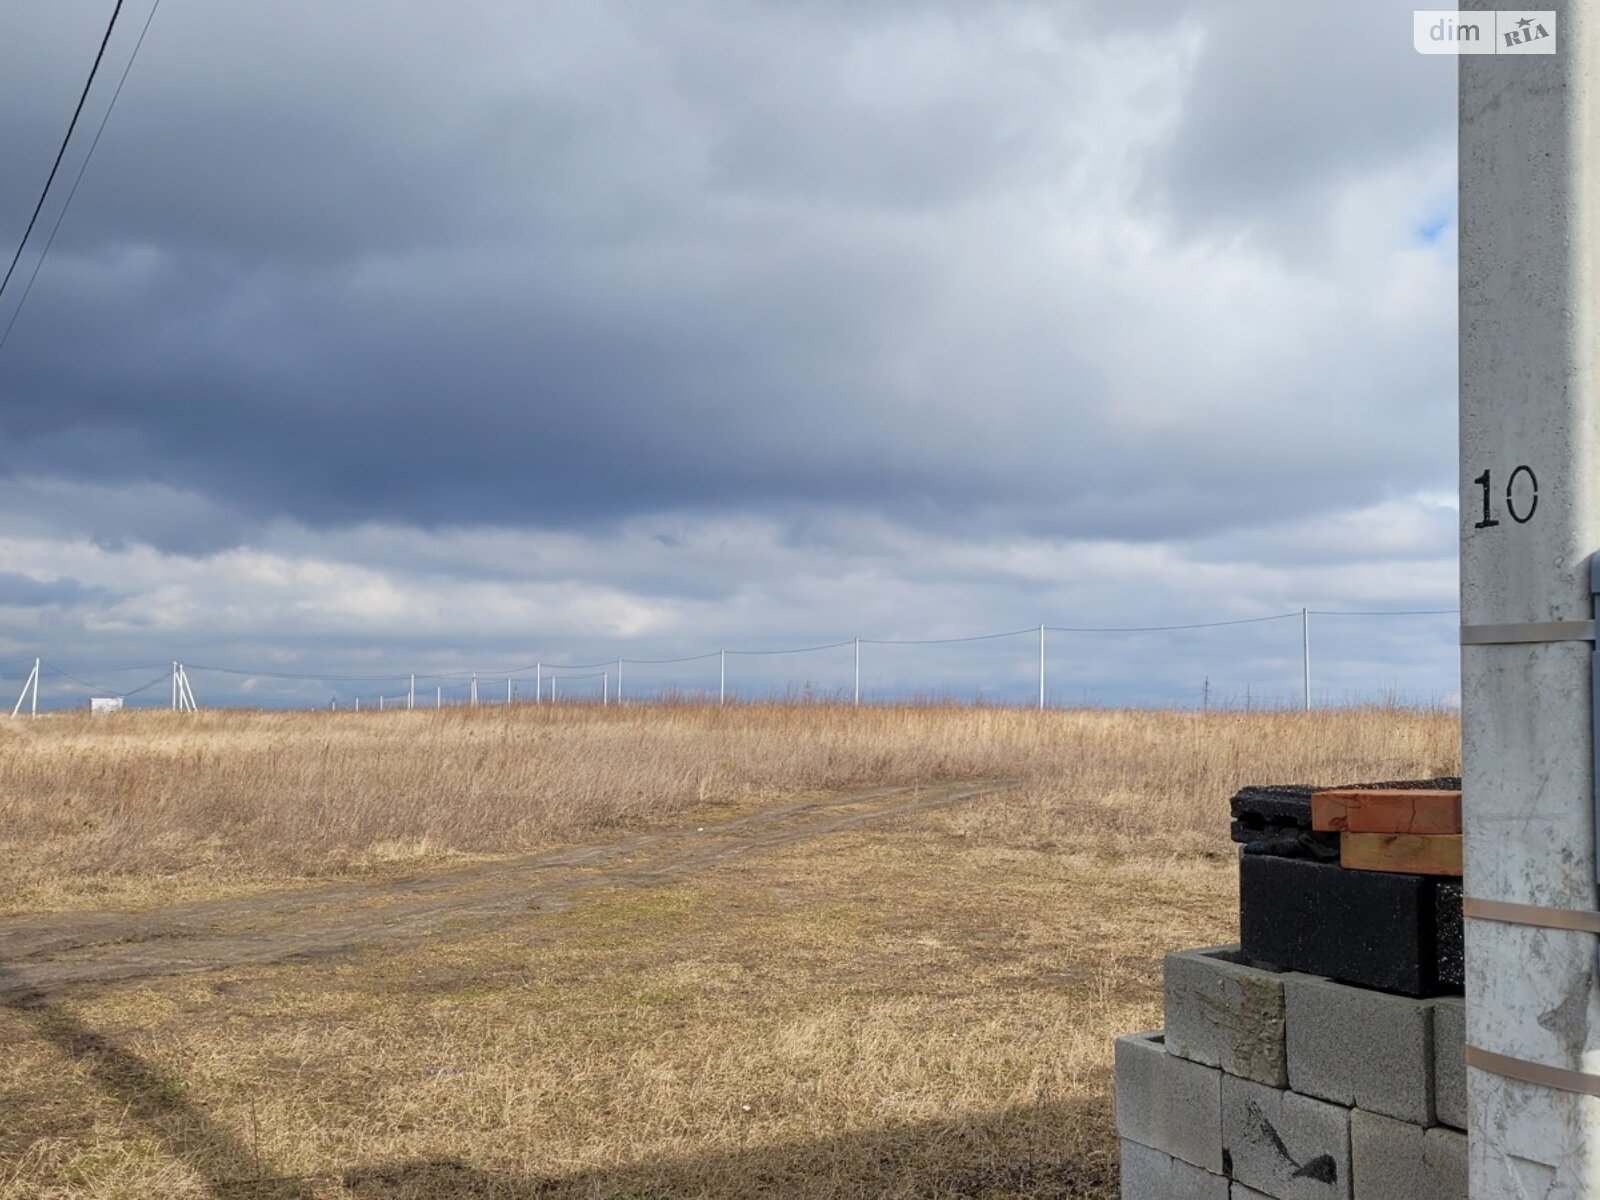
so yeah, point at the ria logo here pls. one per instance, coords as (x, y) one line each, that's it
(1483, 31)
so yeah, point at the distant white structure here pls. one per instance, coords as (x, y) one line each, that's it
(101, 705)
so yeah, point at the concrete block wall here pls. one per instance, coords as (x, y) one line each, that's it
(1274, 1085)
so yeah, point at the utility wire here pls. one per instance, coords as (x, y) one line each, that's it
(61, 153)
(981, 637)
(1165, 628)
(1413, 612)
(798, 649)
(73, 191)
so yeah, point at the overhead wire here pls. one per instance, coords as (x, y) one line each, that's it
(61, 153)
(77, 179)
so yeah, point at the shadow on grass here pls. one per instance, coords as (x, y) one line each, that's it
(225, 1165)
(1050, 1150)
(1022, 1152)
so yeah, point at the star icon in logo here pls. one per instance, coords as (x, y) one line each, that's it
(1525, 22)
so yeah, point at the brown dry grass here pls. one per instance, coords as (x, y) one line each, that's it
(923, 1008)
(239, 797)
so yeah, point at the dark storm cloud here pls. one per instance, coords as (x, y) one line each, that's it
(20, 591)
(553, 265)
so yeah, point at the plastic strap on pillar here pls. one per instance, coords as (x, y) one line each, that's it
(1535, 916)
(1537, 1074)
(1532, 631)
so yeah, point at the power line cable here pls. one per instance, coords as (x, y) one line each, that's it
(980, 637)
(1411, 612)
(798, 649)
(1166, 628)
(61, 153)
(73, 190)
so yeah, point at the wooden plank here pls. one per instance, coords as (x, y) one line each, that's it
(1388, 810)
(1406, 853)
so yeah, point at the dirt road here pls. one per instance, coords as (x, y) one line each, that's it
(46, 954)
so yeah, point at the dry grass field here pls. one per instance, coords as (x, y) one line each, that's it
(611, 952)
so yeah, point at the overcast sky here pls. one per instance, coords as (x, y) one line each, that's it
(383, 338)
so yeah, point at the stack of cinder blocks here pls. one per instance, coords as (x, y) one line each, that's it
(1323, 1056)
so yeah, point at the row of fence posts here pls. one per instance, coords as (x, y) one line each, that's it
(183, 695)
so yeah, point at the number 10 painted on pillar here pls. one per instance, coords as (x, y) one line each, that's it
(1522, 497)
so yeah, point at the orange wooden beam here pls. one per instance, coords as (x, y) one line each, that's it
(1386, 810)
(1405, 853)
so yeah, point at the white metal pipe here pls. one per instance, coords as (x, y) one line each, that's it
(438, 696)
(858, 672)
(1041, 667)
(605, 688)
(508, 689)
(619, 681)
(32, 681)
(722, 680)
(538, 683)
(1305, 658)
(411, 694)
(474, 689)
(1529, 254)
(35, 710)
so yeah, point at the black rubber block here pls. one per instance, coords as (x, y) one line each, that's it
(1450, 935)
(1369, 928)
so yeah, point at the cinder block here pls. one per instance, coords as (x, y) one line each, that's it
(1370, 928)
(1289, 1146)
(1169, 1103)
(1355, 1046)
(1151, 1175)
(1394, 1158)
(1225, 1013)
(1449, 1061)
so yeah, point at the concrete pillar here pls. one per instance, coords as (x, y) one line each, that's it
(1530, 523)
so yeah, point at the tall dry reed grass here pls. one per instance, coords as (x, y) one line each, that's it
(256, 795)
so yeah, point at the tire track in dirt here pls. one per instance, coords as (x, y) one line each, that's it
(53, 952)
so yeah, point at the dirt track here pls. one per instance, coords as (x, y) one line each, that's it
(46, 954)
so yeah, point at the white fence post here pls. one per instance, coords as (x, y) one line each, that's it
(1305, 657)
(858, 672)
(32, 682)
(722, 677)
(1041, 667)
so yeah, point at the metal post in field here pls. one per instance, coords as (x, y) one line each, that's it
(1041, 667)
(174, 686)
(538, 683)
(605, 688)
(508, 689)
(33, 683)
(722, 677)
(858, 672)
(380, 701)
(411, 694)
(619, 681)
(1305, 658)
(1529, 255)
(438, 696)
(474, 689)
